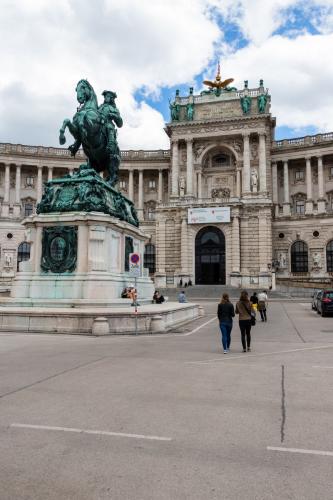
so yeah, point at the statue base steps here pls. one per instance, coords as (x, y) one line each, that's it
(149, 319)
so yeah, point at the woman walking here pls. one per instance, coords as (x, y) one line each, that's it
(225, 313)
(243, 309)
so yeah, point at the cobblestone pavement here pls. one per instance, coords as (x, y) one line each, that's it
(170, 417)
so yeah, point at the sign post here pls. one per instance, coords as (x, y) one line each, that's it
(135, 272)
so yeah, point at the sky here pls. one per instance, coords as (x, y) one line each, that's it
(146, 49)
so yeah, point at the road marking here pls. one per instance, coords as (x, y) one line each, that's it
(87, 431)
(323, 367)
(247, 355)
(199, 327)
(300, 450)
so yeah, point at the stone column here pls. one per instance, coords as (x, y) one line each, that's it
(18, 184)
(246, 163)
(38, 249)
(199, 184)
(39, 183)
(262, 163)
(189, 167)
(184, 247)
(7, 183)
(131, 184)
(275, 192)
(235, 244)
(140, 198)
(160, 186)
(49, 173)
(17, 205)
(5, 203)
(238, 182)
(286, 201)
(174, 169)
(309, 201)
(321, 194)
(160, 278)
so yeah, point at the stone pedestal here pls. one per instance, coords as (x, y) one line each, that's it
(79, 256)
(321, 206)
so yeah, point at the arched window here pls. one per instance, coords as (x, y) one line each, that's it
(23, 253)
(149, 258)
(299, 257)
(329, 256)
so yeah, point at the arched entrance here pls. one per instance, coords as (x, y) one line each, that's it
(210, 257)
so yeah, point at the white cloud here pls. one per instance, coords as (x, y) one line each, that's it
(297, 74)
(46, 48)
(126, 45)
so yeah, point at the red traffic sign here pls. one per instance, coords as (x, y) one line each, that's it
(135, 258)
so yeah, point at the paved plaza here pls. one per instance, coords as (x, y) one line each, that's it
(170, 417)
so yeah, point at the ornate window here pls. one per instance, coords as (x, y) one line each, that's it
(299, 203)
(329, 256)
(152, 184)
(23, 252)
(149, 258)
(300, 207)
(299, 257)
(28, 209)
(122, 184)
(221, 160)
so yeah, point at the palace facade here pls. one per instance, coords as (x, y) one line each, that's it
(277, 196)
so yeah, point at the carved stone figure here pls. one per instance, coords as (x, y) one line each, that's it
(316, 259)
(93, 128)
(8, 260)
(254, 180)
(182, 185)
(282, 260)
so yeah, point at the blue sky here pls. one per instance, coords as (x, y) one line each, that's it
(146, 50)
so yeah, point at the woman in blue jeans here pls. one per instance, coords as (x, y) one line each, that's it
(225, 313)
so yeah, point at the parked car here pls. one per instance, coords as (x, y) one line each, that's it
(314, 299)
(325, 302)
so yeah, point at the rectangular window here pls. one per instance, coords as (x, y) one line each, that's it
(300, 207)
(28, 209)
(152, 184)
(122, 184)
(299, 175)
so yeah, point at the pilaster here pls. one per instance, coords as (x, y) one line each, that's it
(246, 163)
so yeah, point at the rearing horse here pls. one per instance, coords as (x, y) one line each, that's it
(89, 130)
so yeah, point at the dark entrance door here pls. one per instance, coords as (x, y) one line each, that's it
(210, 257)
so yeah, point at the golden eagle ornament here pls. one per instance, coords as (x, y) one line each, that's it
(218, 84)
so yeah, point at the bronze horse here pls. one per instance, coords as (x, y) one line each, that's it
(95, 131)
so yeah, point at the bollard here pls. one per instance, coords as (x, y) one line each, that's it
(100, 326)
(201, 311)
(157, 324)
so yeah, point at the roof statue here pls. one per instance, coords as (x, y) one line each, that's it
(218, 84)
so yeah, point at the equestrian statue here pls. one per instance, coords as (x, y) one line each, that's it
(93, 128)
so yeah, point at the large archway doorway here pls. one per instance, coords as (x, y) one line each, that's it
(210, 257)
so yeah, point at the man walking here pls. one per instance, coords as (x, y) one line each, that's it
(262, 305)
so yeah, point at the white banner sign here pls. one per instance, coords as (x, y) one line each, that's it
(210, 214)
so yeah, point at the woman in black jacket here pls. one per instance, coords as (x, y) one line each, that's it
(225, 313)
